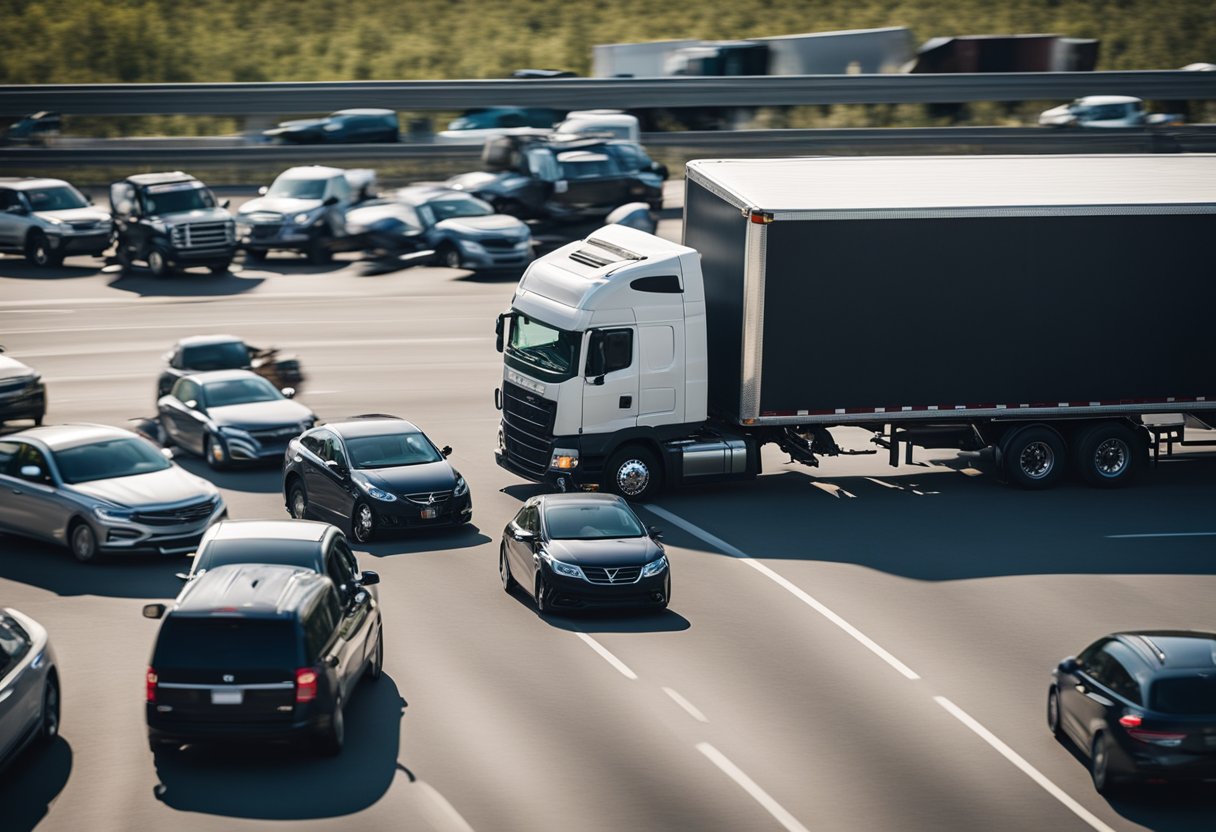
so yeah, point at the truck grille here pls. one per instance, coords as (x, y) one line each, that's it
(613, 575)
(203, 235)
(527, 426)
(192, 513)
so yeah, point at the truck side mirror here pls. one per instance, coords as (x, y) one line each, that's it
(498, 331)
(154, 610)
(225, 203)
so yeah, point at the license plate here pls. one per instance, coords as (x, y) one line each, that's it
(430, 513)
(226, 697)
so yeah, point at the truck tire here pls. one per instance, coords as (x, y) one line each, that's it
(220, 268)
(1109, 455)
(255, 255)
(634, 473)
(1035, 457)
(318, 251)
(158, 263)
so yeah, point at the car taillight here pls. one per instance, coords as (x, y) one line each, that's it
(1130, 720)
(150, 680)
(1168, 739)
(306, 684)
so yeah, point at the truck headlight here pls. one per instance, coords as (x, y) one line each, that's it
(564, 459)
(654, 567)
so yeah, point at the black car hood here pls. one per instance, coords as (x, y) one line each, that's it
(629, 551)
(257, 415)
(410, 479)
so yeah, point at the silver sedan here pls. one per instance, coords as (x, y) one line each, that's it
(98, 489)
(29, 685)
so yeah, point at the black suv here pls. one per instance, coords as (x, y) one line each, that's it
(171, 221)
(259, 651)
(342, 127)
(537, 175)
(1141, 705)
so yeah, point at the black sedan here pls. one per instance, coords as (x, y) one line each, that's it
(575, 551)
(1141, 706)
(231, 416)
(371, 474)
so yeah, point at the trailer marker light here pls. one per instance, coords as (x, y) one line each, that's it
(761, 217)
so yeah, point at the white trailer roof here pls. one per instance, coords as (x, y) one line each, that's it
(859, 186)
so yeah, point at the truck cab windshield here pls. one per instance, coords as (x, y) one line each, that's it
(541, 350)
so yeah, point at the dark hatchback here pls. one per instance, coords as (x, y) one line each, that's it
(260, 652)
(372, 474)
(1142, 706)
(579, 551)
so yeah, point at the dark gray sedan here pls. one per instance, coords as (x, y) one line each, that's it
(29, 685)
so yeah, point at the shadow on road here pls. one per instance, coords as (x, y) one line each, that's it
(625, 621)
(18, 269)
(421, 542)
(285, 782)
(291, 264)
(186, 285)
(123, 576)
(32, 782)
(254, 479)
(523, 491)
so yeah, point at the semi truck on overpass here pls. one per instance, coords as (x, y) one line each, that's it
(1012, 302)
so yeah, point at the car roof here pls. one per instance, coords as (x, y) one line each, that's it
(212, 376)
(421, 194)
(159, 178)
(22, 183)
(60, 437)
(207, 340)
(249, 590)
(304, 530)
(1172, 649)
(372, 426)
(311, 172)
(1108, 99)
(366, 111)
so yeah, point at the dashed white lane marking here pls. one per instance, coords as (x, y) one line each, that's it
(692, 709)
(442, 813)
(789, 586)
(758, 794)
(1159, 534)
(1025, 767)
(833, 489)
(608, 657)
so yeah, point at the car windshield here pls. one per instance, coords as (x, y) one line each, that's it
(108, 459)
(297, 188)
(450, 207)
(400, 211)
(239, 391)
(391, 450)
(592, 522)
(229, 355)
(542, 350)
(1189, 696)
(1102, 112)
(59, 198)
(287, 552)
(583, 165)
(175, 199)
(230, 644)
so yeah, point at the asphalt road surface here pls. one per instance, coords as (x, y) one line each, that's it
(854, 647)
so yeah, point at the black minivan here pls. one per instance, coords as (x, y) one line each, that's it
(260, 652)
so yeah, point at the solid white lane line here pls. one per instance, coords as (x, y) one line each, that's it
(608, 657)
(1025, 767)
(1160, 534)
(344, 342)
(692, 709)
(789, 586)
(758, 794)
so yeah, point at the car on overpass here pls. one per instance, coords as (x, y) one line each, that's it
(1101, 111)
(362, 126)
(29, 685)
(48, 219)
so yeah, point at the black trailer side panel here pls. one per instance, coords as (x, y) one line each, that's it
(719, 232)
(987, 310)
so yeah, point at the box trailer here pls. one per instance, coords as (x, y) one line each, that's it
(968, 302)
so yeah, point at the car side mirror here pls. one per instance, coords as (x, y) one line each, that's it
(31, 471)
(333, 200)
(154, 610)
(655, 532)
(446, 450)
(192, 404)
(1070, 665)
(225, 203)
(524, 535)
(368, 578)
(262, 191)
(337, 467)
(288, 392)
(167, 453)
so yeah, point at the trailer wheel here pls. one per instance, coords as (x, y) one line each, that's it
(634, 473)
(1035, 457)
(1109, 455)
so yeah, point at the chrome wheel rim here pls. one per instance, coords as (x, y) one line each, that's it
(50, 716)
(156, 262)
(1037, 460)
(632, 477)
(452, 259)
(1053, 711)
(504, 571)
(1111, 457)
(41, 255)
(82, 543)
(298, 506)
(363, 522)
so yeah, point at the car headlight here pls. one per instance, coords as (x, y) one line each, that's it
(654, 567)
(567, 569)
(236, 433)
(469, 245)
(113, 513)
(461, 489)
(379, 493)
(302, 219)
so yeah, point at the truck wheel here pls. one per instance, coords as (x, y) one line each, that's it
(318, 251)
(255, 255)
(634, 473)
(122, 255)
(1109, 455)
(1034, 457)
(158, 263)
(220, 268)
(38, 251)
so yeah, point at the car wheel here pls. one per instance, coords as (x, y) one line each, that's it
(1099, 767)
(158, 263)
(50, 711)
(376, 668)
(363, 522)
(255, 255)
(504, 570)
(38, 251)
(217, 456)
(38, 420)
(331, 739)
(318, 251)
(449, 256)
(82, 540)
(297, 501)
(1053, 713)
(544, 596)
(633, 473)
(1109, 455)
(1034, 457)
